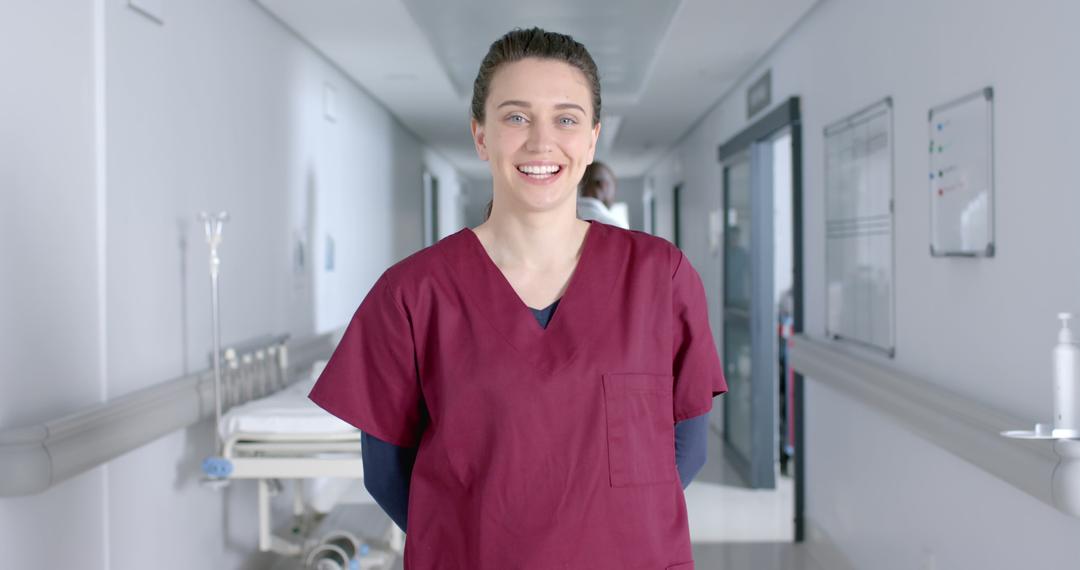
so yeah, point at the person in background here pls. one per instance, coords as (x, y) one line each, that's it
(596, 194)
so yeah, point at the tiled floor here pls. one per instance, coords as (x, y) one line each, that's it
(752, 556)
(736, 528)
(722, 509)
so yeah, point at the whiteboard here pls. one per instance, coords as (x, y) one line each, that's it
(859, 228)
(961, 135)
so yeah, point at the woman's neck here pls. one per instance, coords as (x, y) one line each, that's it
(536, 241)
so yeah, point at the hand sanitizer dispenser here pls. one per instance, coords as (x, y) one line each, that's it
(1064, 432)
(1066, 382)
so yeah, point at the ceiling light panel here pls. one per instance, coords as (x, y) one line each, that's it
(622, 36)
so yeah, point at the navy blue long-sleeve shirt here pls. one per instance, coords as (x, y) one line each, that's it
(388, 468)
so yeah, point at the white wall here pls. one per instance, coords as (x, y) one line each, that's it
(632, 191)
(983, 328)
(478, 192)
(50, 356)
(453, 193)
(115, 132)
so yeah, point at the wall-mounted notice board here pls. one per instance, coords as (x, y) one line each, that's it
(859, 228)
(962, 176)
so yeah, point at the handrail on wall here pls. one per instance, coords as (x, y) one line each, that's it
(34, 458)
(961, 426)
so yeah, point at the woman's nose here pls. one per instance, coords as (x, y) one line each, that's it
(540, 138)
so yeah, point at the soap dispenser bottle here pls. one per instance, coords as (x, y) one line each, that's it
(1066, 382)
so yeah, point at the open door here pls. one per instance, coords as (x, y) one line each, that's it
(761, 300)
(748, 315)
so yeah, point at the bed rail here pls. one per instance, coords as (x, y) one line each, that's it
(34, 458)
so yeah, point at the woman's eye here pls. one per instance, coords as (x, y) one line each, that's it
(567, 121)
(516, 119)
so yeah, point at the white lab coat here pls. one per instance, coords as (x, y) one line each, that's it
(593, 209)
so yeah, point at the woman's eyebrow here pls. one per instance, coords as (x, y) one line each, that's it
(527, 105)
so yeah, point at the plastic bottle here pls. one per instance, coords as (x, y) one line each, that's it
(1066, 381)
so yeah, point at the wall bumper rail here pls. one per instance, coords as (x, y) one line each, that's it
(956, 423)
(34, 458)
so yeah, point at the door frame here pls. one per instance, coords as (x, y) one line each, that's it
(431, 208)
(676, 209)
(786, 115)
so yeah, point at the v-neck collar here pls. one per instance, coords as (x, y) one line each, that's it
(543, 316)
(499, 276)
(570, 327)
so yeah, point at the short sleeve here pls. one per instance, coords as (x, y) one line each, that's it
(371, 381)
(696, 366)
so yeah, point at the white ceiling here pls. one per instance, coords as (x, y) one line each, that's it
(663, 63)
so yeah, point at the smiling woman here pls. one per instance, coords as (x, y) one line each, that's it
(536, 133)
(541, 76)
(505, 435)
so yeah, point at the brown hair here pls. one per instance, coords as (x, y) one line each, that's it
(520, 44)
(592, 176)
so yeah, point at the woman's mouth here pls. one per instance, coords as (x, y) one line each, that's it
(539, 173)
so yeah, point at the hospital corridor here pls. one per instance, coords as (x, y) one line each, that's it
(524, 285)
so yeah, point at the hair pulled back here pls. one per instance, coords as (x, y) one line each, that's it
(520, 44)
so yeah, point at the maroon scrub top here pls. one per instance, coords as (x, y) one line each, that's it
(539, 448)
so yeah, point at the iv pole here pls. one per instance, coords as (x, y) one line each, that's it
(217, 466)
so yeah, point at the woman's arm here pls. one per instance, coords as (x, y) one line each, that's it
(691, 447)
(388, 468)
(387, 472)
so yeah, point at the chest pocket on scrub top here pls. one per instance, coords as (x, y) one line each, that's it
(640, 428)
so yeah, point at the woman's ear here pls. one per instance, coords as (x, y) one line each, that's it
(478, 136)
(592, 147)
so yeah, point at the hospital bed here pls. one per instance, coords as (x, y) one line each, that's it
(286, 437)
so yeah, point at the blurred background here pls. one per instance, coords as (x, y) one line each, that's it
(882, 311)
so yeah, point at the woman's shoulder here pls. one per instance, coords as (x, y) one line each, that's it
(640, 245)
(426, 261)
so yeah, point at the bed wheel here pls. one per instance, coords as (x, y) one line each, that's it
(347, 542)
(328, 557)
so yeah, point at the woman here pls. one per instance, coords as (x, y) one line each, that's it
(538, 444)
(597, 194)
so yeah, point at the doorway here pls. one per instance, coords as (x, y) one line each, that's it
(649, 201)
(676, 198)
(762, 303)
(431, 209)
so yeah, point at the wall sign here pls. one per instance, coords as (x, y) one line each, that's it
(759, 94)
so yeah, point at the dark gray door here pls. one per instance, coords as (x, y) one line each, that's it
(749, 356)
(762, 190)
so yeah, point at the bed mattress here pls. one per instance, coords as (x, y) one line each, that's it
(286, 412)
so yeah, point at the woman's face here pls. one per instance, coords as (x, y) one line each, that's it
(538, 133)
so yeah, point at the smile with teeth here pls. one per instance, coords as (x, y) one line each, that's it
(539, 172)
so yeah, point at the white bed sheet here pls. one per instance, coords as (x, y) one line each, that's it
(286, 412)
